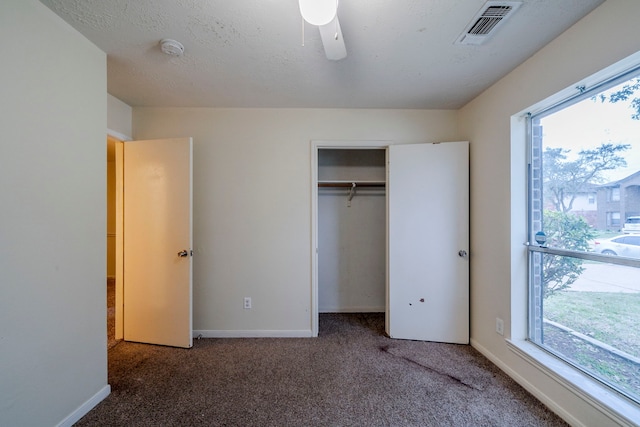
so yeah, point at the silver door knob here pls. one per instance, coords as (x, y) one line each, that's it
(183, 253)
(462, 254)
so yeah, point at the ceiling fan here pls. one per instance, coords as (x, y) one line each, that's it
(324, 15)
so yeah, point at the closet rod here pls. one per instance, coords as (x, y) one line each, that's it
(350, 184)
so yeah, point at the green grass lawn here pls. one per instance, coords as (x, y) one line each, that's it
(607, 234)
(612, 318)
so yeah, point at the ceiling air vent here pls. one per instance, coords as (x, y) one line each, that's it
(484, 24)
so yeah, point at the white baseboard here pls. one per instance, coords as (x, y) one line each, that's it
(619, 410)
(381, 309)
(86, 407)
(252, 334)
(527, 385)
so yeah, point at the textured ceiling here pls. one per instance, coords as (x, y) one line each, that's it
(249, 53)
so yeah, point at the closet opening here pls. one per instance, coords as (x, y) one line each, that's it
(351, 222)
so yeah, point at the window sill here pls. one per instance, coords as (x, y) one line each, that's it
(620, 409)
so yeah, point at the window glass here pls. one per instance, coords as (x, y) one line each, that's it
(613, 219)
(593, 323)
(615, 194)
(584, 285)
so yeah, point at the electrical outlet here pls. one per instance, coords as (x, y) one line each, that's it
(499, 326)
(247, 302)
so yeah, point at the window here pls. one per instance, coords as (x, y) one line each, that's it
(613, 219)
(591, 199)
(614, 194)
(584, 275)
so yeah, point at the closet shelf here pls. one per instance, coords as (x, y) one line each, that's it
(335, 183)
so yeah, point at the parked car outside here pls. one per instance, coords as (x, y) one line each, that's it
(627, 245)
(632, 225)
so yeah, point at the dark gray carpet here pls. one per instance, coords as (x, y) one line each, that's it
(111, 313)
(351, 375)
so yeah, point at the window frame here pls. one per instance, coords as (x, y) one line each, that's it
(535, 213)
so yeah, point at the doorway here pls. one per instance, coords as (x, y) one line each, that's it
(159, 287)
(349, 228)
(111, 242)
(351, 231)
(114, 240)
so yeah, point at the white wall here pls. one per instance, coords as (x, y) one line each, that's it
(498, 264)
(119, 117)
(352, 251)
(52, 218)
(252, 201)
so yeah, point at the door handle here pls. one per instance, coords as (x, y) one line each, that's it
(462, 253)
(183, 253)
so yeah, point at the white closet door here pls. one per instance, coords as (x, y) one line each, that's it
(428, 242)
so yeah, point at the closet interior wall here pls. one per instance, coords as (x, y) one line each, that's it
(351, 233)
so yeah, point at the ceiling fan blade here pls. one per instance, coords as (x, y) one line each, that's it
(331, 36)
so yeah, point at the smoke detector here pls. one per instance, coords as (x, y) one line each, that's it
(171, 47)
(490, 17)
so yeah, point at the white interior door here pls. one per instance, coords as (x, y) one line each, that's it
(428, 242)
(158, 242)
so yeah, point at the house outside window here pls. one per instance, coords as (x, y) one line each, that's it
(628, 203)
(580, 308)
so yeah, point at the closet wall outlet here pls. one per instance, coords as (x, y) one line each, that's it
(247, 302)
(499, 326)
